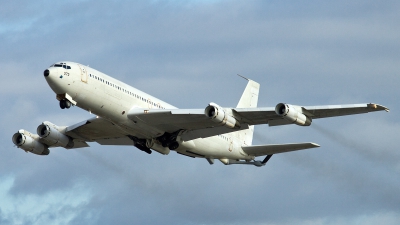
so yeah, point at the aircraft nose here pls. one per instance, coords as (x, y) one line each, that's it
(46, 73)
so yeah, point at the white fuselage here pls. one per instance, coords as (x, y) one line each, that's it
(112, 99)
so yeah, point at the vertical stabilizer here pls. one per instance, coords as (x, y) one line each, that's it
(249, 99)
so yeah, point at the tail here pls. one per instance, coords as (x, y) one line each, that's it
(249, 99)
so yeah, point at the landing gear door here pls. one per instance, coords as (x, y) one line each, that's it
(84, 76)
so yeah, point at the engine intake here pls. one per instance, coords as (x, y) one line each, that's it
(220, 116)
(291, 113)
(54, 135)
(27, 143)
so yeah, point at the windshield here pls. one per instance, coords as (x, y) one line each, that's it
(63, 65)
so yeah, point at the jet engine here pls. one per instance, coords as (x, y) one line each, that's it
(292, 114)
(24, 139)
(219, 115)
(54, 135)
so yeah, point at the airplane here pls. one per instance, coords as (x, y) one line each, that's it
(130, 117)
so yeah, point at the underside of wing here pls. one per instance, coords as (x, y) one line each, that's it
(99, 130)
(342, 110)
(200, 123)
(261, 150)
(194, 121)
(255, 116)
(171, 120)
(284, 114)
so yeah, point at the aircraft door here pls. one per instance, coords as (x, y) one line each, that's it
(84, 76)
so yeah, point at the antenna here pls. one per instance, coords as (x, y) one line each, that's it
(243, 77)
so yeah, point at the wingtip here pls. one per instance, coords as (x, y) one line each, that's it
(378, 107)
(315, 145)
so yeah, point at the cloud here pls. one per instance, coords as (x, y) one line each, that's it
(56, 206)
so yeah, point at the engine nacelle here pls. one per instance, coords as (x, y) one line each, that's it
(24, 139)
(219, 115)
(290, 113)
(54, 135)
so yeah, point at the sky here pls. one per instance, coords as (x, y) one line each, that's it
(188, 53)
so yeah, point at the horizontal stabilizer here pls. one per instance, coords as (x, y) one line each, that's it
(260, 150)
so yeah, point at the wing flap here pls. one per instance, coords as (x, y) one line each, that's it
(115, 141)
(208, 132)
(79, 144)
(261, 150)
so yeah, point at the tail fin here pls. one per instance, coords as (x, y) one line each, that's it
(249, 99)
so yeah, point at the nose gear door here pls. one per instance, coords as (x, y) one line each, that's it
(84, 76)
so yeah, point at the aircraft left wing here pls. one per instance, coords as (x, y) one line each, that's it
(99, 130)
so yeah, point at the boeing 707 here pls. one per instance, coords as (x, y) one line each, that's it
(128, 116)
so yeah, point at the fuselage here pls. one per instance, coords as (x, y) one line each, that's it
(112, 99)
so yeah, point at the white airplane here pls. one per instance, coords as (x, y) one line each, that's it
(127, 116)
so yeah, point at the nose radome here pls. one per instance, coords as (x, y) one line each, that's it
(46, 73)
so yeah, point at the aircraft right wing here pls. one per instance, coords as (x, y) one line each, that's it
(214, 120)
(284, 114)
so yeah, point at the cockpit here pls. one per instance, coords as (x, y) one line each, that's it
(63, 65)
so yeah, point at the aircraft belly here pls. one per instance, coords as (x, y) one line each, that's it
(217, 148)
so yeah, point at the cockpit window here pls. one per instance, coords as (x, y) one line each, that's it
(62, 65)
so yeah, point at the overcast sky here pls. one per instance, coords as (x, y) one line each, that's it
(188, 54)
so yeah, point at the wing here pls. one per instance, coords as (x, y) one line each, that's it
(269, 115)
(197, 124)
(99, 130)
(193, 121)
